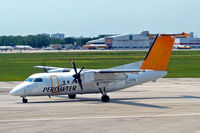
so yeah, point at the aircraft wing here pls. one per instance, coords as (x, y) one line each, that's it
(60, 69)
(119, 71)
(46, 67)
(102, 71)
(53, 69)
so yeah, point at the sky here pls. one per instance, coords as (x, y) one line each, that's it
(90, 18)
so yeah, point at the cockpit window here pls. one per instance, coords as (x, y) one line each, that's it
(29, 80)
(38, 80)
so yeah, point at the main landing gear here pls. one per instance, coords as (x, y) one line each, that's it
(24, 100)
(72, 96)
(104, 98)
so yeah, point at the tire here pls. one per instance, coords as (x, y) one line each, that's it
(105, 98)
(72, 96)
(24, 100)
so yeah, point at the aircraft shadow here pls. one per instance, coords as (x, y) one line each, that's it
(124, 101)
(64, 101)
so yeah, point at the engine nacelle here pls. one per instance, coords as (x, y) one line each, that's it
(87, 76)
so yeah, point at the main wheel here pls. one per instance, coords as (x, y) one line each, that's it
(24, 100)
(105, 98)
(72, 96)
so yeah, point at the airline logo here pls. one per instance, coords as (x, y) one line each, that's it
(60, 88)
(108, 41)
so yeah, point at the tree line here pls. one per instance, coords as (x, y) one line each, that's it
(39, 41)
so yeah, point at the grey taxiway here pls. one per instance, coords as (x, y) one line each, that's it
(167, 106)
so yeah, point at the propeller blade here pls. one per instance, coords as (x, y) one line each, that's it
(74, 80)
(45, 69)
(81, 70)
(80, 83)
(74, 66)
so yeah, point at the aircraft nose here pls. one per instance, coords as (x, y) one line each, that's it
(17, 92)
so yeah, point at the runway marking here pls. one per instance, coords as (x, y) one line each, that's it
(100, 117)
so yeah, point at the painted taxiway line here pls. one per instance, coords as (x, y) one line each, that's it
(101, 117)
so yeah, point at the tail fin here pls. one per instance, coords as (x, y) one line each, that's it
(158, 56)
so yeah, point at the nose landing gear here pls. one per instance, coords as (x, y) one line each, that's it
(24, 100)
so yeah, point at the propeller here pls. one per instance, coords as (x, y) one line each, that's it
(45, 70)
(77, 75)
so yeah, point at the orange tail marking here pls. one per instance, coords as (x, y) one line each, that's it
(158, 57)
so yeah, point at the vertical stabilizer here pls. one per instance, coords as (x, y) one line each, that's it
(159, 54)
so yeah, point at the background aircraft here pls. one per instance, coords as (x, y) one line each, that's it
(23, 47)
(65, 81)
(6, 48)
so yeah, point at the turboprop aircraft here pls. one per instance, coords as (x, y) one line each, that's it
(65, 81)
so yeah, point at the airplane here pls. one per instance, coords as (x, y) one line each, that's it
(6, 48)
(23, 47)
(66, 81)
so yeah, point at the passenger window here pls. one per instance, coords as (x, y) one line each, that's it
(38, 80)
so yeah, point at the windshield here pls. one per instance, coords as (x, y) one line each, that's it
(29, 80)
(38, 80)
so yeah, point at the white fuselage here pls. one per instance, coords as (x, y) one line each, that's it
(48, 84)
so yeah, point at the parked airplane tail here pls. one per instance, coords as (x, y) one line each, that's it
(158, 56)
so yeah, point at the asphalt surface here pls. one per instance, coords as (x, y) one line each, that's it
(166, 106)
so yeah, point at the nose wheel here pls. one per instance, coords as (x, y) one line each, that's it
(24, 100)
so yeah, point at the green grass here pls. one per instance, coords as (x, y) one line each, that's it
(18, 66)
(184, 64)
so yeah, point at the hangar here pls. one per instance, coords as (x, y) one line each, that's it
(128, 41)
(143, 40)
